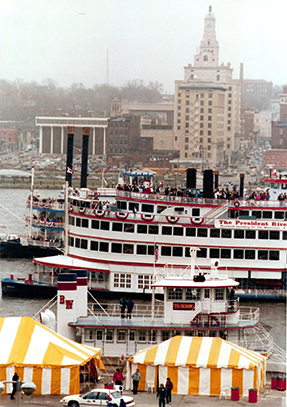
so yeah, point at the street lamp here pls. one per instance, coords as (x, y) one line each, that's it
(28, 388)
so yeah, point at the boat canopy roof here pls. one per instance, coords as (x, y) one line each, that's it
(68, 262)
(14, 173)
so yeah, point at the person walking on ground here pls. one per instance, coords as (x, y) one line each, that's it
(15, 379)
(136, 378)
(118, 378)
(169, 387)
(123, 304)
(122, 403)
(130, 305)
(122, 363)
(161, 394)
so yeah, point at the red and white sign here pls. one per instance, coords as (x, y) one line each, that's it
(183, 306)
(250, 224)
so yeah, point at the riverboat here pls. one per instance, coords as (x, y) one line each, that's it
(196, 303)
(121, 243)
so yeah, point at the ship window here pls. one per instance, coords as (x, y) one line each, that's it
(84, 244)
(99, 334)
(128, 248)
(147, 208)
(71, 241)
(243, 213)
(192, 294)
(150, 250)
(238, 234)
(122, 280)
(250, 234)
(202, 232)
(129, 228)
(141, 249)
(178, 231)
(262, 255)
(274, 255)
(116, 247)
(226, 233)
(167, 230)
(257, 214)
(284, 235)
(166, 251)
(104, 247)
(165, 335)
(238, 253)
(202, 252)
(219, 294)
(71, 220)
(133, 205)
(121, 335)
(263, 234)
(132, 335)
(89, 334)
(195, 211)
(161, 208)
(85, 223)
(142, 228)
(190, 231)
(152, 336)
(105, 225)
(94, 245)
(77, 243)
(142, 335)
(78, 221)
(274, 234)
(174, 293)
(225, 253)
(153, 230)
(214, 253)
(177, 251)
(250, 254)
(122, 205)
(279, 215)
(110, 335)
(267, 215)
(187, 252)
(206, 293)
(95, 224)
(117, 227)
(144, 282)
(214, 232)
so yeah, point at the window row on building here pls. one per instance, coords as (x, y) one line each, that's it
(173, 251)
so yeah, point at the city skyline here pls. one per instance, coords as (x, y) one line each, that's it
(71, 41)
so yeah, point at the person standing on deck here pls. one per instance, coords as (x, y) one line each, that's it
(130, 306)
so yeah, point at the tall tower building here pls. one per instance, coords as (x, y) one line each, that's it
(211, 134)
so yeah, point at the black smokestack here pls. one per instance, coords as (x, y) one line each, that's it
(70, 151)
(191, 178)
(208, 184)
(241, 191)
(85, 155)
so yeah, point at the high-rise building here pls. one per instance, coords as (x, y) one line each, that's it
(206, 129)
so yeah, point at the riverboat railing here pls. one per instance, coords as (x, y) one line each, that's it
(139, 310)
(43, 243)
(250, 314)
(46, 206)
(47, 224)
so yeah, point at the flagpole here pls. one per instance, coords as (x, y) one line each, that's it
(153, 289)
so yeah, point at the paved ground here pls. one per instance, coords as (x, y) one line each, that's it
(270, 398)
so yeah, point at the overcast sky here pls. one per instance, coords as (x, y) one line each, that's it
(67, 40)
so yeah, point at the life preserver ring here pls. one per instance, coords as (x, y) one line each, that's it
(236, 203)
(122, 215)
(82, 210)
(172, 219)
(147, 217)
(196, 220)
(71, 208)
(99, 212)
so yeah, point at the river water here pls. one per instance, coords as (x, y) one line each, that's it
(272, 313)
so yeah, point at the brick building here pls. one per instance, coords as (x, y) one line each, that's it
(279, 128)
(8, 139)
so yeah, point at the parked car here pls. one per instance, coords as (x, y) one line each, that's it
(96, 397)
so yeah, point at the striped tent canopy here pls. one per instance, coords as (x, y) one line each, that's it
(200, 365)
(42, 356)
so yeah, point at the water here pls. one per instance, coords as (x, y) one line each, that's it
(271, 313)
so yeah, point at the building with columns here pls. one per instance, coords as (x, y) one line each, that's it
(53, 134)
(205, 128)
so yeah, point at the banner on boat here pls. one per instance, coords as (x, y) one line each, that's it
(250, 224)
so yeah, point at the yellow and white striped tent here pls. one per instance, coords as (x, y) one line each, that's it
(199, 366)
(42, 356)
